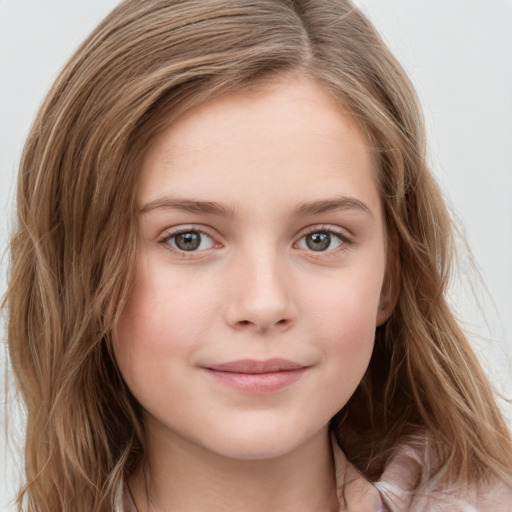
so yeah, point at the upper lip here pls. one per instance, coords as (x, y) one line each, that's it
(255, 366)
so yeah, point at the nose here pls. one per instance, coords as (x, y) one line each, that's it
(261, 294)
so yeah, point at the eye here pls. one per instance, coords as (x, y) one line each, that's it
(189, 241)
(321, 241)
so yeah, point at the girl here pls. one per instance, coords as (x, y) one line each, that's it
(228, 280)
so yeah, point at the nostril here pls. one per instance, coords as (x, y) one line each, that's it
(247, 323)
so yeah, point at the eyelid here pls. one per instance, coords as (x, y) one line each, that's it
(169, 233)
(342, 234)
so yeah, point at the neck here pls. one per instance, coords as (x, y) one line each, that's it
(181, 476)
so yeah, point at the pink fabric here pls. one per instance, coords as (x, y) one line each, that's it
(412, 464)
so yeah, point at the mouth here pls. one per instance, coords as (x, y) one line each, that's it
(256, 377)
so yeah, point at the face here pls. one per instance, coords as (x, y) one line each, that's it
(260, 270)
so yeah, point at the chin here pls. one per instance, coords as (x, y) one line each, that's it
(259, 442)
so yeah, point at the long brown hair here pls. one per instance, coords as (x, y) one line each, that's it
(73, 252)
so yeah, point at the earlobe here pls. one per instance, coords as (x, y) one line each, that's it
(391, 285)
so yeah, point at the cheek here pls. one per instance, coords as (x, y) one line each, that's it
(164, 303)
(163, 320)
(344, 319)
(347, 303)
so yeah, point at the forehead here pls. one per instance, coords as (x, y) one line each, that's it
(284, 139)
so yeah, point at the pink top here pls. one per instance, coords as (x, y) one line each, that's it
(394, 491)
(412, 464)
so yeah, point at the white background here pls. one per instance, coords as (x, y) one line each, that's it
(459, 55)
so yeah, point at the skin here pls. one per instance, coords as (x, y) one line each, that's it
(279, 162)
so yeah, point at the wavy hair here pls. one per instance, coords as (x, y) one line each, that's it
(73, 253)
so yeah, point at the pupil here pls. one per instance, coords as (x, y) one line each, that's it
(318, 241)
(188, 241)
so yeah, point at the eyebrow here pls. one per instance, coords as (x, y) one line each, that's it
(214, 208)
(188, 205)
(330, 205)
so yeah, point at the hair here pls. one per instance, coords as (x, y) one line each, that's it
(73, 253)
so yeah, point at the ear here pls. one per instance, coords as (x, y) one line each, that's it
(391, 283)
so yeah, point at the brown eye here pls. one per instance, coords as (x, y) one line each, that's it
(321, 241)
(318, 241)
(190, 241)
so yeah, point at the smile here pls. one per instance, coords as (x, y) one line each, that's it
(257, 377)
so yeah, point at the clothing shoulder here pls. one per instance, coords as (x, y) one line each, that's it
(403, 489)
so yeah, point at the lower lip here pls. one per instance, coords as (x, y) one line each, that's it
(257, 383)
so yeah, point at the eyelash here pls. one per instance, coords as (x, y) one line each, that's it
(169, 235)
(345, 241)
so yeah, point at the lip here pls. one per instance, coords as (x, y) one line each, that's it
(256, 377)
